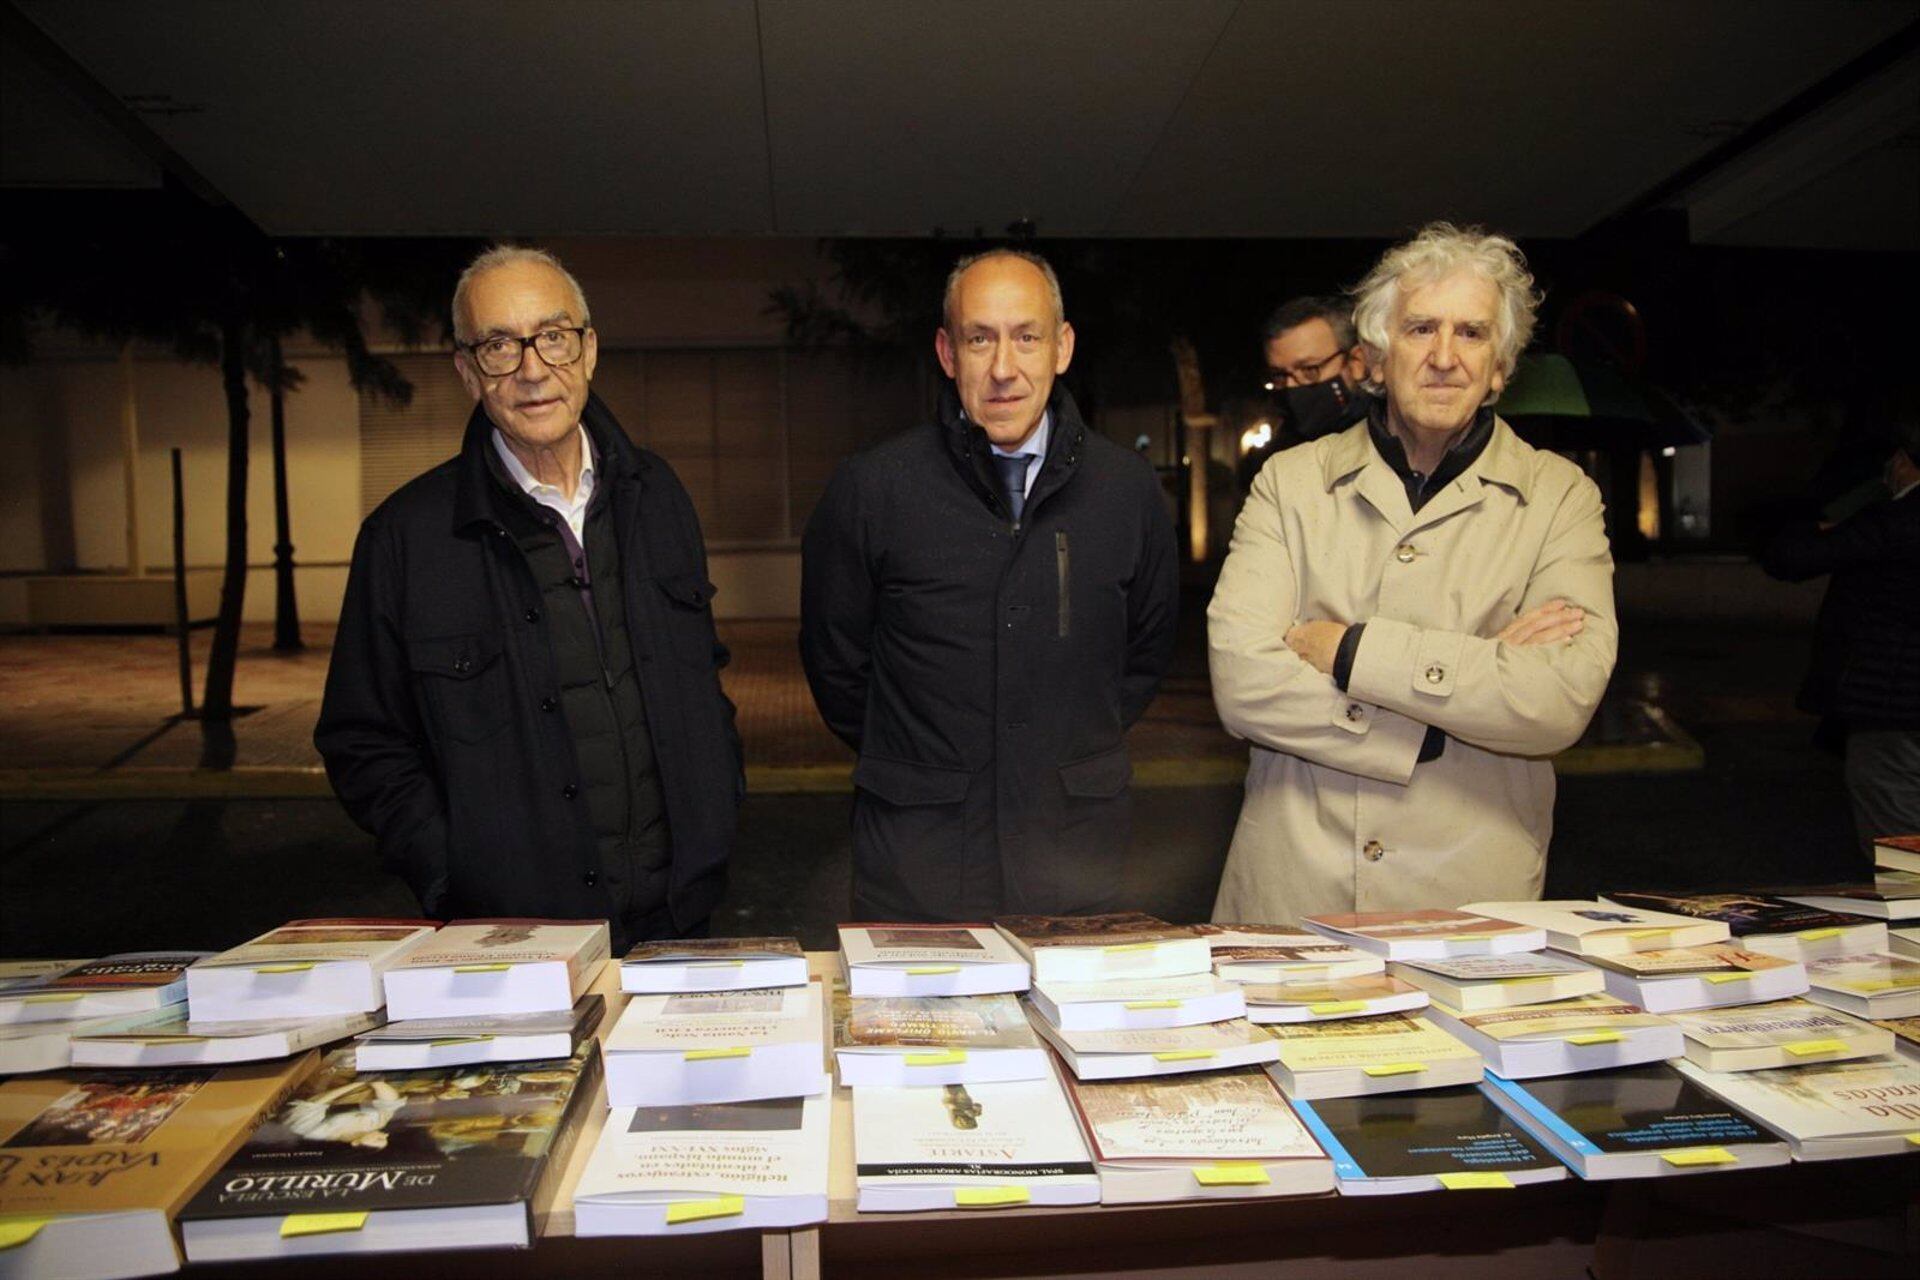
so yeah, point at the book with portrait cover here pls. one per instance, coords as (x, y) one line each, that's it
(1211, 1135)
(453, 1158)
(1440, 1139)
(930, 960)
(131, 982)
(1125, 944)
(94, 1164)
(713, 964)
(933, 1040)
(1764, 922)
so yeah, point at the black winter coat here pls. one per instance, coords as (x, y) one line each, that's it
(441, 727)
(1866, 646)
(986, 673)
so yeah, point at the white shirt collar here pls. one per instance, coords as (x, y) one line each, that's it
(532, 484)
(1036, 444)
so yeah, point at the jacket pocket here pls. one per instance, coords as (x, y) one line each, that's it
(689, 600)
(1098, 777)
(899, 782)
(465, 682)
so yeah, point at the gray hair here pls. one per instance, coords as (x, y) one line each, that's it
(502, 255)
(965, 264)
(1439, 250)
(1336, 312)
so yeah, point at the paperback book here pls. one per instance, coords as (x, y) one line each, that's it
(1249, 953)
(1427, 935)
(1312, 1001)
(1897, 853)
(1586, 1033)
(168, 1038)
(1893, 895)
(1876, 985)
(895, 1041)
(1184, 1001)
(1387, 1053)
(1762, 922)
(484, 968)
(1438, 1140)
(132, 982)
(1605, 929)
(713, 964)
(1475, 983)
(1701, 977)
(1782, 1033)
(716, 1046)
(1108, 1055)
(26, 1047)
(458, 1042)
(1097, 948)
(305, 969)
(1903, 942)
(930, 960)
(1827, 1112)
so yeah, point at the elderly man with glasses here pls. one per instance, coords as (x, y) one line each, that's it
(1414, 615)
(524, 704)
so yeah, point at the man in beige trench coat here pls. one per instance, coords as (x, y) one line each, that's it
(1414, 614)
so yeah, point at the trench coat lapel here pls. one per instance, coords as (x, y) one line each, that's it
(1352, 459)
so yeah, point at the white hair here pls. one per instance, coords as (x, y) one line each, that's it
(1440, 250)
(965, 264)
(502, 255)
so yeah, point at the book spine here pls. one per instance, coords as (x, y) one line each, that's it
(1538, 1114)
(1344, 1165)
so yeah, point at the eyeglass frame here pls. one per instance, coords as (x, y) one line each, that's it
(1292, 377)
(472, 349)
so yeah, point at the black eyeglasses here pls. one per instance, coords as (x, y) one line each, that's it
(1303, 373)
(501, 355)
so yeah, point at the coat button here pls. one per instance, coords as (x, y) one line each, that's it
(1405, 553)
(548, 704)
(1435, 674)
(590, 879)
(1373, 851)
(462, 665)
(533, 615)
(569, 791)
(1355, 711)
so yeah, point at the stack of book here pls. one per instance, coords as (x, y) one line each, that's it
(45, 1004)
(1872, 984)
(1763, 922)
(719, 1116)
(303, 969)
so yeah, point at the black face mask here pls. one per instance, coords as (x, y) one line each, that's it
(1321, 408)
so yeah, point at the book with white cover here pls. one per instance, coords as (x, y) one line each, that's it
(1473, 983)
(1829, 1112)
(713, 964)
(26, 1047)
(1250, 953)
(1387, 1053)
(1762, 922)
(969, 1146)
(1313, 1001)
(1876, 985)
(1902, 942)
(1893, 895)
(1097, 948)
(1218, 1135)
(716, 1046)
(713, 1166)
(1600, 929)
(1638, 1122)
(930, 960)
(483, 968)
(457, 1042)
(130, 982)
(1427, 935)
(1586, 1033)
(1782, 1033)
(303, 969)
(1159, 1051)
(1147, 1002)
(168, 1038)
(1438, 1140)
(1897, 853)
(895, 1041)
(1709, 977)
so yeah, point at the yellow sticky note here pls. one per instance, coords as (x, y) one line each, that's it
(1538, 977)
(55, 997)
(1649, 933)
(716, 964)
(481, 968)
(1232, 1173)
(1121, 947)
(285, 968)
(1718, 979)
(1596, 1037)
(1914, 1139)
(1807, 1048)
(1475, 1181)
(435, 1044)
(1337, 1006)
(1377, 1069)
(989, 1197)
(1693, 1156)
(320, 1224)
(1469, 937)
(928, 970)
(709, 1055)
(1876, 984)
(944, 1058)
(1152, 1004)
(15, 1232)
(1818, 935)
(160, 1039)
(701, 1210)
(1183, 1055)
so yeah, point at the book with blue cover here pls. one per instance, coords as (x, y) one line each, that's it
(1440, 1139)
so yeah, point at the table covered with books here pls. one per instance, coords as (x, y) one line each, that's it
(1105, 1095)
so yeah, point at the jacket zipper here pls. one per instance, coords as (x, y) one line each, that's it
(1061, 566)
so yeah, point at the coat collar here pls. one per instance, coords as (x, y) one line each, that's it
(968, 445)
(1506, 461)
(478, 488)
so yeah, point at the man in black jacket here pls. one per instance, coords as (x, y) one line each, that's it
(987, 604)
(524, 703)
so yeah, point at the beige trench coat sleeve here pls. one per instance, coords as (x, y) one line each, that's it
(1522, 700)
(1264, 691)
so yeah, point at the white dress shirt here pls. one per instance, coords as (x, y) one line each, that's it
(574, 512)
(1035, 447)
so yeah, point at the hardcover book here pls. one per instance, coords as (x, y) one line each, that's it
(1586, 1033)
(304, 969)
(1782, 1033)
(1706, 977)
(456, 1042)
(1427, 935)
(1827, 1112)
(1387, 1053)
(716, 1046)
(1763, 922)
(1312, 1001)
(92, 1166)
(930, 960)
(933, 1040)
(486, 968)
(1215, 1135)
(713, 964)
(1637, 1122)
(1474, 983)
(1095, 948)
(394, 1160)
(1875, 985)
(1600, 928)
(974, 1146)
(132, 982)
(168, 1038)
(717, 1166)
(1439, 1140)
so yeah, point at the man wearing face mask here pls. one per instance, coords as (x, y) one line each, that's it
(1315, 366)
(987, 603)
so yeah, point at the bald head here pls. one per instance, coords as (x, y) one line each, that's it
(1004, 342)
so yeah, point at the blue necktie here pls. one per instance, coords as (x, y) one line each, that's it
(1013, 479)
